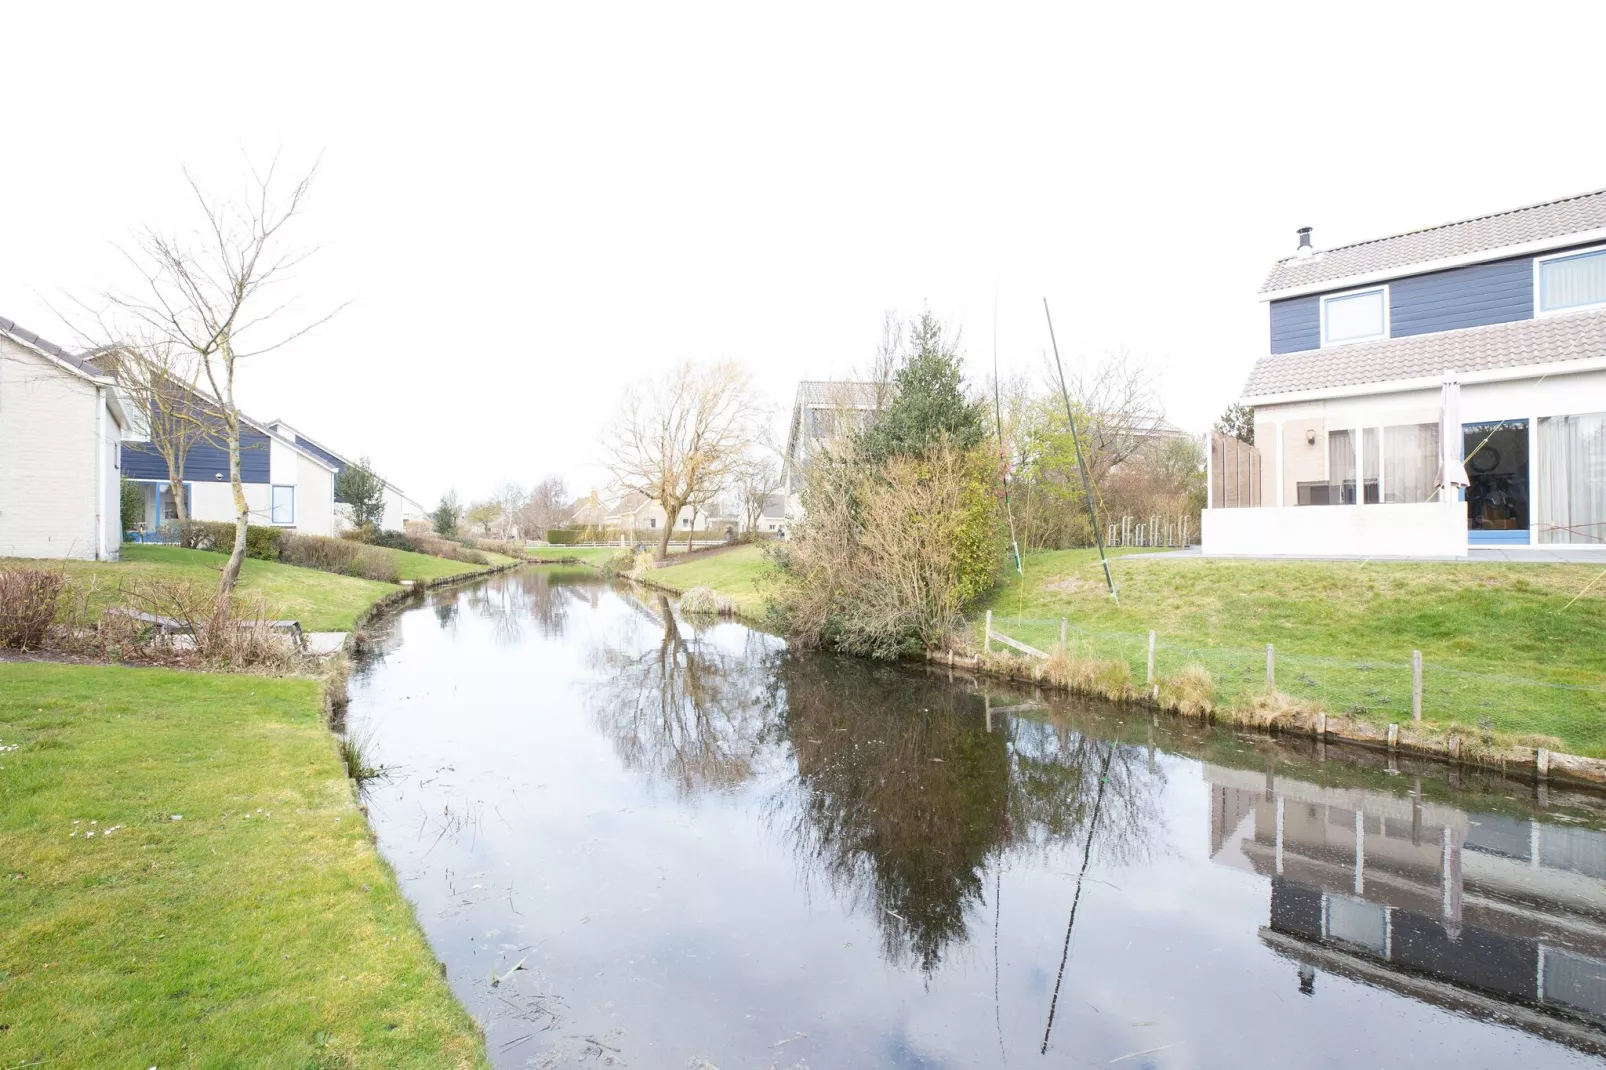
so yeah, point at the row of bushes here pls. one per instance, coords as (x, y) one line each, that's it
(342, 556)
(430, 544)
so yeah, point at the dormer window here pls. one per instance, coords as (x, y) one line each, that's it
(1359, 316)
(1576, 280)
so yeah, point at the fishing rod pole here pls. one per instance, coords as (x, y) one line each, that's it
(1076, 440)
(1081, 878)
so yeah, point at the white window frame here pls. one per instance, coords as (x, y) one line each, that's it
(1382, 288)
(273, 510)
(1539, 310)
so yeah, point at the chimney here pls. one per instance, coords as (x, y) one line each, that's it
(1305, 249)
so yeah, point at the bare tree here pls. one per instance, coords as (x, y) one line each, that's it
(212, 294)
(159, 380)
(1119, 411)
(678, 441)
(756, 478)
(510, 499)
(544, 507)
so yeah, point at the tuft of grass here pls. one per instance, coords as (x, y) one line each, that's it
(354, 752)
(237, 913)
(1190, 692)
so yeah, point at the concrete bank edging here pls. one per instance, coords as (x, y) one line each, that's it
(1535, 762)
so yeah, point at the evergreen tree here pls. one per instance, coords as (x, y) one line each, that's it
(928, 402)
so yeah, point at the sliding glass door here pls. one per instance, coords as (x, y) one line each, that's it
(1496, 458)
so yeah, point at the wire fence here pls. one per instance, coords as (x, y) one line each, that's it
(1377, 691)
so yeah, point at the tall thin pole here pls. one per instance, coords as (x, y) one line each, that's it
(998, 416)
(1076, 439)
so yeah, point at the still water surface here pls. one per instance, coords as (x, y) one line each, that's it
(639, 840)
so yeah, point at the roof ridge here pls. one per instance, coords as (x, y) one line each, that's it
(1444, 226)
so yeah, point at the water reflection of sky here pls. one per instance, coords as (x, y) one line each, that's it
(804, 861)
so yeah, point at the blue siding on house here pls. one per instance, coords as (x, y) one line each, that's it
(1296, 324)
(1472, 296)
(204, 462)
(322, 454)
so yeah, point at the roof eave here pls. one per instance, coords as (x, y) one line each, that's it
(1423, 267)
(1508, 373)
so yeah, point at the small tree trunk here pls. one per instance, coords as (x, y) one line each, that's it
(242, 510)
(691, 530)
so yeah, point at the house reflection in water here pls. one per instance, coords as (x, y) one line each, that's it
(1480, 913)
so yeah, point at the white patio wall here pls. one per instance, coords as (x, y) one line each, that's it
(1426, 529)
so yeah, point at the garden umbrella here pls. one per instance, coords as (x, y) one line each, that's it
(1452, 473)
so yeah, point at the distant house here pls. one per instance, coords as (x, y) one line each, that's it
(399, 508)
(636, 516)
(823, 412)
(60, 425)
(286, 485)
(1428, 392)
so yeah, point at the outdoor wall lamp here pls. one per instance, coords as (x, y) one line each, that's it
(1310, 437)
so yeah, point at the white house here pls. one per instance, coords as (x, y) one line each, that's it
(1429, 392)
(60, 425)
(399, 508)
(823, 412)
(286, 485)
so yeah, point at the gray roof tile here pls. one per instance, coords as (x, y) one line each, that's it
(1536, 222)
(836, 392)
(22, 334)
(1546, 340)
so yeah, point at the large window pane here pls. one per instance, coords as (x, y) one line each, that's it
(284, 505)
(1371, 461)
(1340, 468)
(1572, 479)
(1410, 462)
(1354, 316)
(1572, 281)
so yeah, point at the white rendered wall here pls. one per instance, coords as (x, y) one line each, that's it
(48, 495)
(315, 498)
(1426, 529)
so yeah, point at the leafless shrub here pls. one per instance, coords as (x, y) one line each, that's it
(887, 555)
(341, 556)
(29, 599)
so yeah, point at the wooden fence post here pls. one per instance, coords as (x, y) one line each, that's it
(1151, 656)
(987, 634)
(1416, 685)
(1271, 668)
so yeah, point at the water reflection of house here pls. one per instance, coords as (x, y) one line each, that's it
(1482, 913)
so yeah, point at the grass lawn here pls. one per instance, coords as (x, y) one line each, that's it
(262, 929)
(426, 567)
(1506, 645)
(321, 601)
(734, 574)
(591, 555)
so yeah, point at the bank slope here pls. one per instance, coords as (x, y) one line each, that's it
(187, 879)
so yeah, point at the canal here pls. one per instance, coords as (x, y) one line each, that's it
(635, 839)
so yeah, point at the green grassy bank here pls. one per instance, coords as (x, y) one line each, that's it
(736, 574)
(1513, 648)
(230, 908)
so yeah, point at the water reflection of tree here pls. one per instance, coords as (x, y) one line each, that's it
(541, 597)
(903, 796)
(684, 708)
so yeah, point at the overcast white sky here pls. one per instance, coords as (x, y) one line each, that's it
(530, 205)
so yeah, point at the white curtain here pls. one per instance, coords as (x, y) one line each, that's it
(1410, 462)
(1572, 281)
(1572, 479)
(1340, 468)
